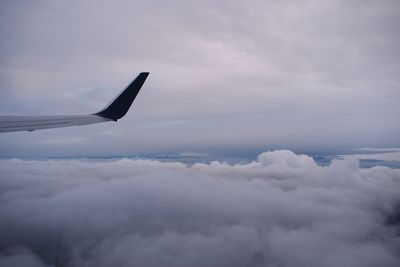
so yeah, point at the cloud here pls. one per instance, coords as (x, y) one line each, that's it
(378, 150)
(380, 154)
(390, 156)
(280, 210)
(20, 258)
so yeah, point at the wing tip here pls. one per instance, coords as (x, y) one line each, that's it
(120, 106)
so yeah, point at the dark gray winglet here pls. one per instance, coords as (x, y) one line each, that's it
(120, 106)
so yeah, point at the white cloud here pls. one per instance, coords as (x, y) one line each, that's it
(390, 156)
(281, 210)
(377, 149)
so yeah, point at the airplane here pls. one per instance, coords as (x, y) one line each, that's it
(113, 112)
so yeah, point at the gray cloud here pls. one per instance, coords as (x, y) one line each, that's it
(281, 210)
(223, 74)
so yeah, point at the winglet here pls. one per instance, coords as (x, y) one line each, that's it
(120, 106)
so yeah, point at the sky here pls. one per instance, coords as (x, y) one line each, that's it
(227, 77)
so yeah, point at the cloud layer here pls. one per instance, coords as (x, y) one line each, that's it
(281, 210)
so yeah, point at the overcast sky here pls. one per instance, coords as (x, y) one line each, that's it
(225, 76)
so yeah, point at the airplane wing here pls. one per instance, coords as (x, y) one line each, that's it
(113, 112)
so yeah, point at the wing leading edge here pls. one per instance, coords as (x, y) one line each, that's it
(113, 112)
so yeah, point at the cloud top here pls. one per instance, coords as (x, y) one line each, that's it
(281, 210)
